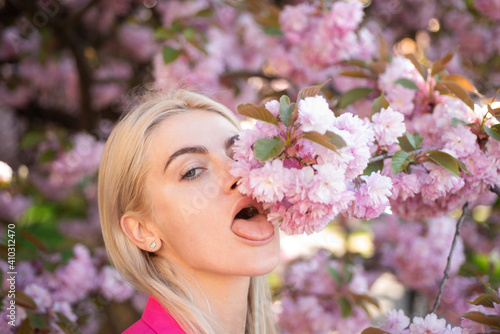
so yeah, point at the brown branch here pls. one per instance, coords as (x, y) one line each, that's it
(67, 36)
(448, 263)
(386, 155)
(76, 16)
(496, 189)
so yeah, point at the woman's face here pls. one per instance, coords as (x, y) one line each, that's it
(195, 200)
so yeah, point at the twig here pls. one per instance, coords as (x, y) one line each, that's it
(448, 264)
(495, 189)
(386, 155)
(381, 157)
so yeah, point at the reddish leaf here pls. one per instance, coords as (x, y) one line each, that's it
(442, 64)
(462, 82)
(25, 301)
(488, 320)
(310, 91)
(355, 74)
(329, 139)
(419, 66)
(456, 90)
(356, 62)
(257, 112)
(378, 66)
(373, 330)
(33, 239)
(484, 300)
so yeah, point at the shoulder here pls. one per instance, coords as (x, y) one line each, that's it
(155, 319)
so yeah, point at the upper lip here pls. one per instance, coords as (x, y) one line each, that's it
(244, 202)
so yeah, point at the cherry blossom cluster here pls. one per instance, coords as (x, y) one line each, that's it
(397, 322)
(305, 183)
(320, 295)
(65, 291)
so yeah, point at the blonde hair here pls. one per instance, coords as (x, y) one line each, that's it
(120, 190)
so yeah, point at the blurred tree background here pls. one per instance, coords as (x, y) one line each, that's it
(67, 67)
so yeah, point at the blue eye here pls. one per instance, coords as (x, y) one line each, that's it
(192, 174)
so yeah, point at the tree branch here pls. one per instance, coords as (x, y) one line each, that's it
(495, 189)
(386, 155)
(448, 263)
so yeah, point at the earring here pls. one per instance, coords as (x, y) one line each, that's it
(153, 244)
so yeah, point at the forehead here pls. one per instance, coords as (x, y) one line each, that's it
(194, 127)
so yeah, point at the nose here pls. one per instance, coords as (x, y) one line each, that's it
(230, 182)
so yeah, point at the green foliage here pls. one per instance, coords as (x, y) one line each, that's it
(452, 164)
(266, 148)
(407, 83)
(410, 141)
(400, 161)
(345, 307)
(285, 110)
(170, 54)
(374, 167)
(493, 132)
(378, 104)
(354, 95)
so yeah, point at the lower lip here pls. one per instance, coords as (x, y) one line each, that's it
(252, 242)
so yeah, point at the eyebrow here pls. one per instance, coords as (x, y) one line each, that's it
(197, 150)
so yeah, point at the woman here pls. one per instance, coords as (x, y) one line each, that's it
(175, 224)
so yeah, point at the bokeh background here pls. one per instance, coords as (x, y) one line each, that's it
(66, 69)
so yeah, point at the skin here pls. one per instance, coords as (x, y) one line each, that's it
(194, 200)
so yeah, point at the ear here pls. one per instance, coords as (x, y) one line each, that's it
(141, 232)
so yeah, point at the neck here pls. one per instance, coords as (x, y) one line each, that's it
(224, 299)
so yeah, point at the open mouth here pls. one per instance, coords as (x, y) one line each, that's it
(247, 212)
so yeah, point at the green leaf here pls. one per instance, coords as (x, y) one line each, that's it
(266, 148)
(374, 167)
(37, 321)
(163, 34)
(354, 95)
(329, 139)
(489, 320)
(273, 31)
(378, 104)
(257, 112)
(415, 139)
(335, 274)
(47, 156)
(170, 54)
(493, 132)
(455, 121)
(32, 139)
(400, 161)
(448, 87)
(447, 161)
(310, 91)
(405, 144)
(345, 307)
(205, 13)
(373, 330)
(285, 110)
(484, 300)
(407, 83)
(67, 325)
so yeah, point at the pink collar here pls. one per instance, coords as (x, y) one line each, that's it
(156, 317)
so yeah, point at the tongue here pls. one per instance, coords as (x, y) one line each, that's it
(256, 228)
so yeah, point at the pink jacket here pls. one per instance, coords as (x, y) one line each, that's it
(155, 319)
